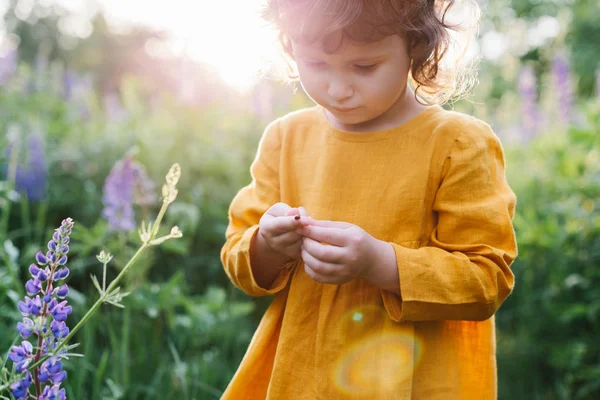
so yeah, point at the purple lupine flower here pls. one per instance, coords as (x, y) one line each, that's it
(30, 306)
(21, 355)
(527, 86)
(69, 79)
(118, 196)
(76, 90)
(53, 393)
(126, 185)
(20, 389)
(113, 107)
(51, 369)
(31, 176)
(61, 273)
(59, 329)
(62, 291)
(144, 189)
(561, 77)
(48, 312)
(8, 65)
(25, 328)
(60, 311)
(33, 286)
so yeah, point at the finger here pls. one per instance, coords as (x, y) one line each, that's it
(315, 276)
(285, 239)
(293, 212)
(325, 253)
(303, 222)
(332, 224)
(294, 250)
(285, 224)
(332, 236)
(303, 211)
(279, 210)
(321, 268)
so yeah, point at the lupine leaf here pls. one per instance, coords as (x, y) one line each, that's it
(115, 304)
(97, 285)
(72, 355)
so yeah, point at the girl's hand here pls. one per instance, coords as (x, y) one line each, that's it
(278, 226)
(349, 251)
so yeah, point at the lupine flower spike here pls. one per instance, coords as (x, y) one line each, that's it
(44, 319)
(45, 310)
(126, 185)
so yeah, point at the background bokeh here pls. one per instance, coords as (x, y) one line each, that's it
(79, 92)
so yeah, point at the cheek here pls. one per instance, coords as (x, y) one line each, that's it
(310, 83)
(386, 87)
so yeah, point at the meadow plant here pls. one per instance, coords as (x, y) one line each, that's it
(561, 76)
(126, 185)
(8, 65)
(527, 86)
(37, 366)
(30, 175)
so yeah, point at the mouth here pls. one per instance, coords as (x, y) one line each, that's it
(343, 109)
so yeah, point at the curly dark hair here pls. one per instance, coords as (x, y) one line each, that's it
(422, 23)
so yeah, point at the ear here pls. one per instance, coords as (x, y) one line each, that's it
(416, 49)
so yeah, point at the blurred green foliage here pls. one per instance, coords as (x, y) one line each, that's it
(185, 328)
(548, 330)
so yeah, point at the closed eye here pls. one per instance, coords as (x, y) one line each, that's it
(365, 67)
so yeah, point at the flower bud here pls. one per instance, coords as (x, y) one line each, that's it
(40, 258)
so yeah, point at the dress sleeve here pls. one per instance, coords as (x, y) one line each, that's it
(245, 212)
(464, 272)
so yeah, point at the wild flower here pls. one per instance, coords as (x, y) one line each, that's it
(527, 87)
(126, 185)
(45, 311)
(44, 319)
(8, 66)
(561, 77)
(31, 176)
(118, 196)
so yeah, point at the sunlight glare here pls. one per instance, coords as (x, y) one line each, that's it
(229, 34)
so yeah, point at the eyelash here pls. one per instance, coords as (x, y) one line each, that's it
(363, 69)
(366, 68)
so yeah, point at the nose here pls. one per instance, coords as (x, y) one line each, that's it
(339, 90)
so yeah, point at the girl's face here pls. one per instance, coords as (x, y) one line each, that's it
(361, 85)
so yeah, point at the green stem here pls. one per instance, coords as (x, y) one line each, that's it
(11, 177)
(104, 278)
(159, 218)
(14, 274)
(112, 285)
(40, 221)
(99, 302)
(122, 244)
(25, 217)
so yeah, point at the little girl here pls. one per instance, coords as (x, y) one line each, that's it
(382, 226)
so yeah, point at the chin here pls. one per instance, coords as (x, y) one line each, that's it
(349, 118)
